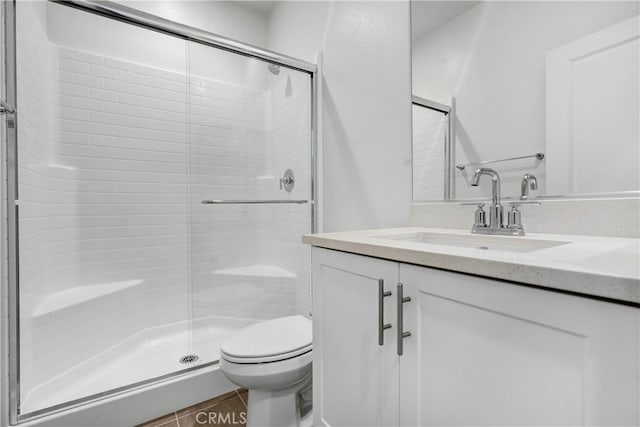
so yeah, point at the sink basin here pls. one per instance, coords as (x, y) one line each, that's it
(473, 241)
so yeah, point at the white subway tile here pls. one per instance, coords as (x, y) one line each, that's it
(117, 86)
(157, 72)
(74, 66)
(117, 64)
(104, 72)
(91, 81)
(74, 114)
(89, 104)
(106, 118)
(88, 58)
(66, 101)
(67, 76)
(88, 127)
(74, 90)
(103, 95)
(113, 107)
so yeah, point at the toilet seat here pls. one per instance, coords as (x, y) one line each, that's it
(268, 376)
(267, 359)
(269, 341)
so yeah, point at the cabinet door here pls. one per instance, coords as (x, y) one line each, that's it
(485, 352)
(355, 379)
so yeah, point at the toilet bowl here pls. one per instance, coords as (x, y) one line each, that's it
(272, 359)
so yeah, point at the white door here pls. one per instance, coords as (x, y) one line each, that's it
(485, 352)
(593, 112)
(355, 378)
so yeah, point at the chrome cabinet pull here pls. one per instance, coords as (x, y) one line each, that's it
(402, 334)
(381, 325)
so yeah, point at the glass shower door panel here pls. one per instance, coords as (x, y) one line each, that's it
(249, 125)
(104, 213)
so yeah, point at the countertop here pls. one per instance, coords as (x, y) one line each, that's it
(606, 267)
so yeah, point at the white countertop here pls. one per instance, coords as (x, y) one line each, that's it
(606, 267)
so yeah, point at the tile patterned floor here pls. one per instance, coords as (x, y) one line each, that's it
(227, 410)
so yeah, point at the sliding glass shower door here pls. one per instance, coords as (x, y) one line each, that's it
(163, 188)
(249, 123)
(104, 212)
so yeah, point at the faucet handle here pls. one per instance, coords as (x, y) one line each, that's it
(514, 217)
(480, 216)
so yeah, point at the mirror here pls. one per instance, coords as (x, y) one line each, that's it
(545, 88)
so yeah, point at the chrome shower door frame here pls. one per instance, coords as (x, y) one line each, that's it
(131, 16)
(12, 205)
(447, 111)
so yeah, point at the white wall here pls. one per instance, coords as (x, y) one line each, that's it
(482, 59)
(297, 28)
(367, 116)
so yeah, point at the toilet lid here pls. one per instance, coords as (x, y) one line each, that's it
(282, 336)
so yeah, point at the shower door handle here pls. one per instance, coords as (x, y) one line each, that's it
(402, 334)
(6, 108)
(382, 294)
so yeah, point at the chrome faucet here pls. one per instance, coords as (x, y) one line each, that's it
(528, 182)
(496, 213)
(495, 210)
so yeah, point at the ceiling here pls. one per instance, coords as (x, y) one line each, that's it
(263, 7)
(427, 15)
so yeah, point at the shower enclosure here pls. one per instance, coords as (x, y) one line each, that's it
(432, 131)
(161, 178)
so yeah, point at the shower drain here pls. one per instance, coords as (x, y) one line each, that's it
(189, 358)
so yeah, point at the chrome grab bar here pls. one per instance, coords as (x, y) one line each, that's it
(252, 202)
(538, 156)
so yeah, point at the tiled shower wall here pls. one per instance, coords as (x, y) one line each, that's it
(115, 159)
(256, 266)
(290, 135)
(248, 259)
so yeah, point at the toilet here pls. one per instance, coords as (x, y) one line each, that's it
(272, 359)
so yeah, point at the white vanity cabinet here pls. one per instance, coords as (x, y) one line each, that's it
(481, 351)
(355, 380)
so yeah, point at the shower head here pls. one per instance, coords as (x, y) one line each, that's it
(274, 69)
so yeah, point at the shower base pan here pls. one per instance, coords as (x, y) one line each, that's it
(151, 354)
